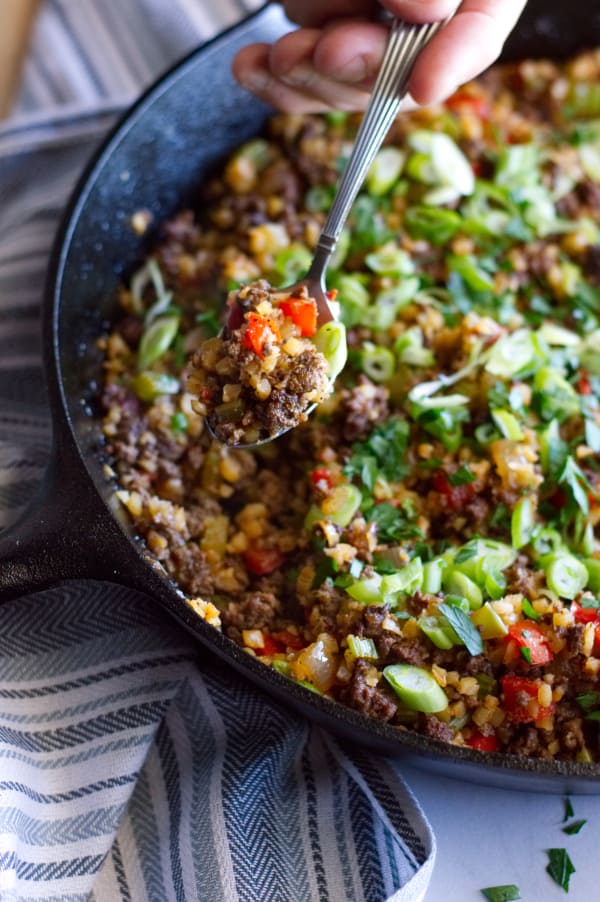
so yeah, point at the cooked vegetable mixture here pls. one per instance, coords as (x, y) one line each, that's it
(425, 547)
(263, 373)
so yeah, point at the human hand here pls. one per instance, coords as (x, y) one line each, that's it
(331, 61)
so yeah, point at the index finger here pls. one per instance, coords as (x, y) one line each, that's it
(467, 45)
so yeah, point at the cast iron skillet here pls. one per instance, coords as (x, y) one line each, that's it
(155, 157)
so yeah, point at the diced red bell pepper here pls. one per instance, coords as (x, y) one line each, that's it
(259, 330)
(322, 479)
(473, 102)
(584, 386)
(489, 743)
(261, 561)
(302, 312)
(528, 634)
(270, 646)
(289, 639)
(518, 692)
(587, 615)
(457, 496)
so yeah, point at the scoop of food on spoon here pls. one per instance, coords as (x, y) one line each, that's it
(281, 349)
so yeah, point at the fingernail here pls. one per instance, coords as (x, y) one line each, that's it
(255, 81)
(355, 70)
(300, 76)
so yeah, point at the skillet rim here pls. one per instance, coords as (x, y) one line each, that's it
(508, 771)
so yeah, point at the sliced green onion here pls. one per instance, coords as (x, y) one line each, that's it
(589, 156)
(515, 352)
(156, 340)
(565, 574)
(361, 647)
(318, 198)
(367, 590)
(408, 580)
(553, 396)
(457, 583)
(546, 541)
(489, 623)
(258, 151)
(494, 581)
(589, 352)
(438, 631)
(522, 523)
(447, 164)
(416, 688)
(377, 363)
(384, 171)
(508, 424)
(391, 260)
(292, 262)
(330, 340)
(383, 312)
(343, 501)
(518, 166)
(432, 224)
(558, 335)
(353, 297)
(432, 576)
(592, 565)
(409, 348)
(466, 267)
(149, 386)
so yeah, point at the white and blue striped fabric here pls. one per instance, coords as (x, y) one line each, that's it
(128, 770)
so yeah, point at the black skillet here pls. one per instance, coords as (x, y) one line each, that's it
(155, 157)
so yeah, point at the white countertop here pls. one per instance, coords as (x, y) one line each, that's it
(487, 837)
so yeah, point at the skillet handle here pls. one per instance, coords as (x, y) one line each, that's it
(65, 533)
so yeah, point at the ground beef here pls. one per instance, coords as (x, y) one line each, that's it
(254, 610)
(591, 264)
(575, 638)
(361, 408)
(479, 664)
(570, 734)
(524, 741)
(391, 648)
(371, 700)
(435, 728)
(520, 578)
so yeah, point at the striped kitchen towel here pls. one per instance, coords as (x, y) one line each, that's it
(130, 771)
(130, 768)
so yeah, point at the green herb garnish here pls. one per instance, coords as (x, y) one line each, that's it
(508, 892)
(529, 610)
(560, 867)
(568, 806)
(463, 476)
(383, 454)
(575, 827)
(464, 628)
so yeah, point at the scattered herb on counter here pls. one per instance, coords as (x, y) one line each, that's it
(506, 893)
(560, 867)
(575, 827)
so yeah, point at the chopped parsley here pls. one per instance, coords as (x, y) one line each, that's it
(463, 476)
(575, 827)
(568, 804)
(560, 867)
(382, 455)
(464, 628)
(393, 524)
(508, 892)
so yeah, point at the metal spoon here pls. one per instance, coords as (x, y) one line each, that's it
(405, 43)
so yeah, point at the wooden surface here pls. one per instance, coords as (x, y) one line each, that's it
(16, 20)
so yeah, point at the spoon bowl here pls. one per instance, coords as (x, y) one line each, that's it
(404, 45)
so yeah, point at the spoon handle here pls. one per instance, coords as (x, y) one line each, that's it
(404, 45)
